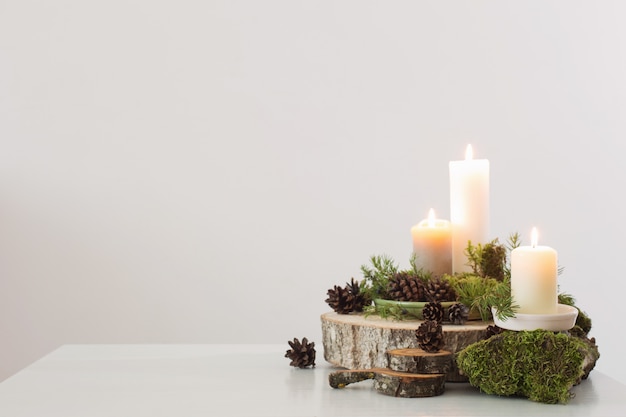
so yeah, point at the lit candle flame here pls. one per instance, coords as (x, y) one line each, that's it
(534, 237)
(469, 153)
(431, 218)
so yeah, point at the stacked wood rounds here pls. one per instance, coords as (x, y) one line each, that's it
(411, 373)
(354, 341)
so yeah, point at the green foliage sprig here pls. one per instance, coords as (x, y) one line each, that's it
(514, 241)
(499, 297)
(394, 312)
(470, 288)
(378, 274)
(492, 261)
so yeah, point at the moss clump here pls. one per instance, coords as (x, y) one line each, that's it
(488, 260)
(539, 365)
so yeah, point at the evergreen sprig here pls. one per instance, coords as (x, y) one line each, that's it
(489, 259)
(514, 241)
(393, 311)
(498, 294)
(378, 274)
(499, 297)
(469, 288)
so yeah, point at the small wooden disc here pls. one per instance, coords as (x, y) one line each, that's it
(402, 384)
(418, 361)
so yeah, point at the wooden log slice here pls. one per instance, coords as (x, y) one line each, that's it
(418, 361)
(394, 383)
(402, 384)
(354, 341)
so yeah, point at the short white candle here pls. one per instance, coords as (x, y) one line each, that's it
(534, 273)
(469, 206)
(432, 245)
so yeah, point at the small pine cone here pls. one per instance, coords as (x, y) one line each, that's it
(404, 286)
(430, 336)
(340, 300)
(360, 299)
(301, 354)
(439, 289)
(433, 311)
(492, 330)
(458, 313)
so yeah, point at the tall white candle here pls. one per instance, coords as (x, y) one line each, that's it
(432, 245)
(534, 278)
(469, 206)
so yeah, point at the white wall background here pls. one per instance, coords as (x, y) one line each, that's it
(203, 171)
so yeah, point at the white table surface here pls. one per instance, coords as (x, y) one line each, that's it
(246, 380)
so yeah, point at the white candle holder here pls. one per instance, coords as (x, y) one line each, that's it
(563, 319)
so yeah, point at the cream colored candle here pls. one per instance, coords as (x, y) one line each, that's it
(534, 273)
(432, 245)
(469, 206)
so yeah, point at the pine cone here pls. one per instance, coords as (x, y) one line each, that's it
(492, 330)
(458, 313)
(301, 354)
(430, 336)
(340, 300)
(361, 300)
(433, 311)
(439, 289)
(404, 286)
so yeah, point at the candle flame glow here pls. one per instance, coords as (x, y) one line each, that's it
(534, 237)
(469, 153)
(431, 218)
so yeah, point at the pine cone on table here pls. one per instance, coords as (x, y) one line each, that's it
(430, 336)
(405, 286)
(433, 311)
(301, 354)
(458, 313)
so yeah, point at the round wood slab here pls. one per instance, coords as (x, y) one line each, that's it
(353, 341)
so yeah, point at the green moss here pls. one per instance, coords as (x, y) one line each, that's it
(539, 365)
(490, 259)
